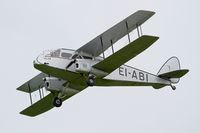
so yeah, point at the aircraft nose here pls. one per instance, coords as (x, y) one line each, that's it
(41, 58)
(38, 60)
(35, 62)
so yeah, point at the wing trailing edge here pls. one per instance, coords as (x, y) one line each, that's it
(126, 53)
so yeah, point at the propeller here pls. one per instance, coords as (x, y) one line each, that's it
(72, 62)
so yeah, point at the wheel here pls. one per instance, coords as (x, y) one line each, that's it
(90, 81)
(57, 102)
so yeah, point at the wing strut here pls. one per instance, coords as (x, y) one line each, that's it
(129, 40)
(139, 30)
(40, 93)
(29, 88)
(111, 42)
(102, 47)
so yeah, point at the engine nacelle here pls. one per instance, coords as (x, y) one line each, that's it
(53, 84)
(85, 66)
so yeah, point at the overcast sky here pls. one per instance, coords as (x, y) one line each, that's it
(28, 27)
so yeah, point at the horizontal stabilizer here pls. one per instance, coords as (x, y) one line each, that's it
(126, 53)
(174, 74)
(158, 86)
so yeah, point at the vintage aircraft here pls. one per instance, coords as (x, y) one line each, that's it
(66, 72)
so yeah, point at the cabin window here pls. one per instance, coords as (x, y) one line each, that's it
(56, 53)
(65, 55)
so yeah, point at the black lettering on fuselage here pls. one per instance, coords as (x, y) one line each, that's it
(134, 75)
(147, 77)
(141, 76)
(121, 71)
(125, 71)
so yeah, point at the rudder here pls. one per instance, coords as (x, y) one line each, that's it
(171, 70)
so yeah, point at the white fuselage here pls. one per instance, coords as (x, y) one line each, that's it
(61, 59)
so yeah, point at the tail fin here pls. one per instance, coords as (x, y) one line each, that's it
(172, 71)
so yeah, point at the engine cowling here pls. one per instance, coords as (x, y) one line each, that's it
(53, 84)
(85, 66)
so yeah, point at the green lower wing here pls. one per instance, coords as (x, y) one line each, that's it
(42, 105)
(126, 53)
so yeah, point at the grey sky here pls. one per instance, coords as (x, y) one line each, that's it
(29, 27)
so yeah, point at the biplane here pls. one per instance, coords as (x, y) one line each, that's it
(66, 72)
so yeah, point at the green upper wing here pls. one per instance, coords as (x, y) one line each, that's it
(126, 53)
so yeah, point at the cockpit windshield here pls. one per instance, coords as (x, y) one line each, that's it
(63, 53)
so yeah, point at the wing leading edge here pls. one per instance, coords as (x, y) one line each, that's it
(33, 84)
(102, 42)
(44, 104)
(126, 53)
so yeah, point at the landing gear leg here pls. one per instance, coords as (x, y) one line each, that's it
(90, 80)
(57, 102)
(173, 87)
